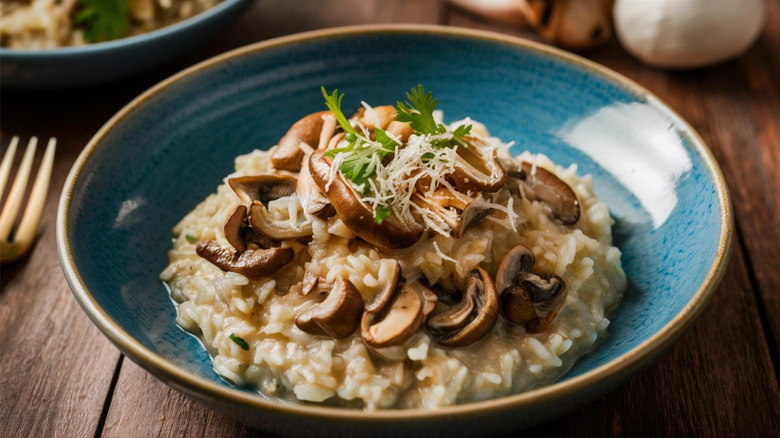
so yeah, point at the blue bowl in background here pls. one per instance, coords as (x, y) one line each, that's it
(169, 148)
(91, 64)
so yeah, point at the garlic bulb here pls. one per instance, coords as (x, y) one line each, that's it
(688, 33)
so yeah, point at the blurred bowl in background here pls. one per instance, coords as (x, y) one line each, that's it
(96, 63)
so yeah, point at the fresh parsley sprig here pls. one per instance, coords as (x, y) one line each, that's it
(102, 20)
(418, 111)
(333, 102)
(362, 154)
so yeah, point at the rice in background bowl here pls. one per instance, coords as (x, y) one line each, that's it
(48, 24)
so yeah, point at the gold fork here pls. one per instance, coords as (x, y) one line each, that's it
(13, 248)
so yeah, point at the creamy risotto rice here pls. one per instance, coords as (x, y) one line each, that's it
(252, 325)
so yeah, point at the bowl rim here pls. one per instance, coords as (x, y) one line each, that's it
(621, 366)
(123, 42)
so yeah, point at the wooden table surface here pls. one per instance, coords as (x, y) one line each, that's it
(59, 376)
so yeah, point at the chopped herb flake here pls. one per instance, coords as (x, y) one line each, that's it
(102, 20)
(382, 212)
(190, 238)
(239, 341)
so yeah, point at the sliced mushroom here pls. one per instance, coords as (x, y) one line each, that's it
(455, 209)
(447, 296)
(235, 228)
(309, 283)
(252, 263)
(535, 302)
(263, 188)
(384, 115)
(472, 318)
(356, 215)
(288, 153)
(476, 168)
(386, 293)
(338, 315)
(539, 184)
(400, 318)
(262, 222)
(258, 191)
(515, 265)
(313, 199)
(527, 299)
(400, 130)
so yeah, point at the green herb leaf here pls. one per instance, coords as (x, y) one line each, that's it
(382, 212)
(418, 111)
(333, 101)
(362, 156)
(239, 341)
(190, 238)
(460, 132)
(102, 20)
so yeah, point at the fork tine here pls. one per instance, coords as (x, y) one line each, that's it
(8, 159)
(28, 226)
(11, 207)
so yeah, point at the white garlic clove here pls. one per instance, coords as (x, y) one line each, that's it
(688, 33)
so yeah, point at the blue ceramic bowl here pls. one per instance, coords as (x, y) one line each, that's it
(103, 62)
(168, 149)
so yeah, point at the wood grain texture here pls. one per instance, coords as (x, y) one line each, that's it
(719, 379)
(46, 339)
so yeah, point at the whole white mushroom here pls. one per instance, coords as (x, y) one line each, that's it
(688, 33)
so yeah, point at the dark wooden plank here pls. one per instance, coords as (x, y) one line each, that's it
(746, 109)
(144, 406)
(55, 367)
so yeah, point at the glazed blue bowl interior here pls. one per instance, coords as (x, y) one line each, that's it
(172, 150)
(104, 62)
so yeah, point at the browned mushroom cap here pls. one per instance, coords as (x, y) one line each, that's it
(476, 168)
(356, 215)
(288, 153)
(338, 315)
(470, 320)
(313, 199)
(455, 209)
(515, 265)
(400, 318)
(235, 228)
(263, 188)
(534, 302)
(253, 263)
(386, 293)
(541, 185)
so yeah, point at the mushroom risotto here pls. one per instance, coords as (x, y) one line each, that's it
(391, 261)
(46, 24)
